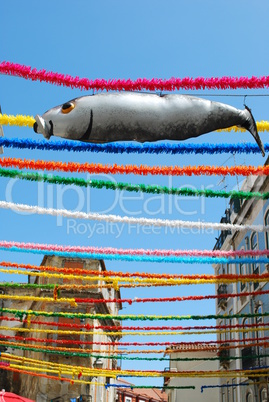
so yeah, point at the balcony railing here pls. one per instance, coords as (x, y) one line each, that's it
(252, 358)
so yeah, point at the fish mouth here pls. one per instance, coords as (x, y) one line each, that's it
(42, 127)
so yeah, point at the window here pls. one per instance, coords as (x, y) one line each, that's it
(226, 331)
(228, 392)
(221, 335)
(127, 399)
(231, 334)
(263, 395)
(242, 271)
(255, 265)
(245, 327)
(259, 323)
(249, 397)
(234, 390)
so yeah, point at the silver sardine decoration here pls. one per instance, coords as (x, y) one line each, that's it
(131, 116)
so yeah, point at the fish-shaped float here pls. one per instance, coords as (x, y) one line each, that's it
(141, 117)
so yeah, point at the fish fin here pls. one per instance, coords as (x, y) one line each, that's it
(251, 126)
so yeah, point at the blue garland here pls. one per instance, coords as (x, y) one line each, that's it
(131, 386)
(120, 148)
(144, 258)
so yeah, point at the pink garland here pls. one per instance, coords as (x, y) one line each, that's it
(139, 84)
(120, 251)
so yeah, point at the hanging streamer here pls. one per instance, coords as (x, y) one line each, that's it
(125, 333)
(205, 345)
(129, 220)
(121, 327)
(121, 148)
(128, 251)
(74, 301)
(116, 282)
(84, 354)
(131, 386)
(70, 300)
(154, 84)
(18, 120)
(67, 369)
(71, 381)
(96, 168)
(21, 313)
(174, 259)
(148, 189)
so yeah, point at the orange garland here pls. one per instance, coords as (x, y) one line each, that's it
(144, 170)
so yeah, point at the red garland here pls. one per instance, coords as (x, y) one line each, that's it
(136, 274)
(133, 328)
(169, 299)
(51, 377)
(244, 343)
(139, 84)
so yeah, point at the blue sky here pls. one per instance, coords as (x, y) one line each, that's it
(122, 39)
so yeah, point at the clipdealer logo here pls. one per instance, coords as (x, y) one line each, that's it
(121, 203)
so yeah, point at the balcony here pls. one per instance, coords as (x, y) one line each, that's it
(222, 301)
(252, 358)
(224, 355)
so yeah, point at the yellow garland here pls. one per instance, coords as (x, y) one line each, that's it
(261, 127)
(71, 300)
(28, 121)
(64, 368)
(124, 333)
(73, 379)
(114, 373)
(62, 349)
(113, 280)
(200, 374)
(70, 370)
(19, 120)
(59, 372)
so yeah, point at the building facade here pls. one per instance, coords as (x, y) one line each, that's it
(244, 347)
(129, 394)
(189, 351)
(79, 335)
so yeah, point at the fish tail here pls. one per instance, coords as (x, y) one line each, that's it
(251, 126)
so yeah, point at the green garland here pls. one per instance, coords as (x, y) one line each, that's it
(27, 285)
(149, 189)
(120, 357)
(21, 313)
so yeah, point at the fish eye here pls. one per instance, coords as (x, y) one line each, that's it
(67, 107)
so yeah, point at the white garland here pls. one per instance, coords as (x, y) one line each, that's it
(130, 220)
